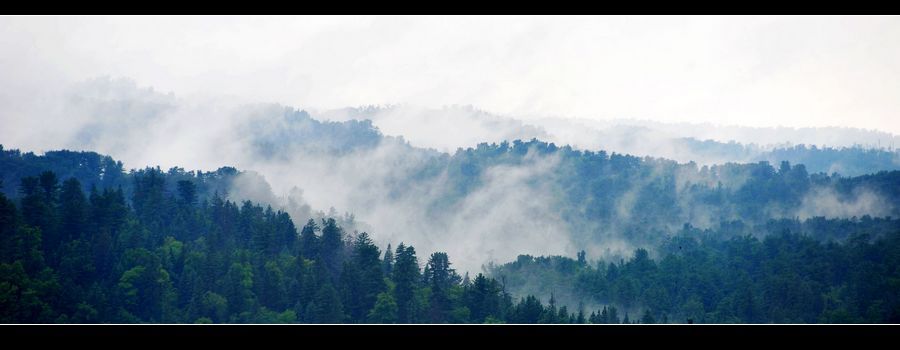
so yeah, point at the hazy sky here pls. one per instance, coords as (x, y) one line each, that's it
(757, 71)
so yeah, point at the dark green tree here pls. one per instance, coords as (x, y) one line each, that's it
(309, 242)
(406, 280)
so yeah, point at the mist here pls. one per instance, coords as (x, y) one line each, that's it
(397, 188)
(254, 92)
(759, 71)
(452, 127)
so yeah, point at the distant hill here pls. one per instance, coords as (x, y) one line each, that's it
(519, 191)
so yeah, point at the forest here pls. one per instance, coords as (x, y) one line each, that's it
(72, 257)
(83, 241)
(502, 199)
(785, 277)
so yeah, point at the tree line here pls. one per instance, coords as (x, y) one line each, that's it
(708, 277)
(167, 257)
(97, 244)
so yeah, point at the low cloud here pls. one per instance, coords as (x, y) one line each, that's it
(397, 185)
(827, 202)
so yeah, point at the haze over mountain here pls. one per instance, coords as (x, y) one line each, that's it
(491, 201)
(224, 169)
(847, 151)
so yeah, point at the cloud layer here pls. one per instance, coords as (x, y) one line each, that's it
(756, 71)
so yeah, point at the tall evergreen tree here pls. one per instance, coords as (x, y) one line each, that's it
(328, 308)
(331, 247)
(309, 242)
(73, 210)
(388, 261)
(441, 278)
(371, 279)
(187, 192)
(39, 208)
(385, 309)
(483, 298)
(9, 221)
(406, 282)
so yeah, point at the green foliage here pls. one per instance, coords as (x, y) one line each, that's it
(406, 282)
(782, 278)
(154, 246)
(385, 309)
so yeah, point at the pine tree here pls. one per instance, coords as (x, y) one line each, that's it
(365, 258)
(385, 309)
(187, 191)
(331, 247)
(528, 310)
(388, 261)
(405, 277)
(39, 208)
(9, 221)
(612, 316)
(351, 292)
(328, 308)
(483, 298)
(604, 316)
(550, 313)
(73, 210)
(580, 319)
(440, 277)
(309, 242)
(648, 317)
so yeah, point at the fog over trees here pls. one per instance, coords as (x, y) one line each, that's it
(481, 187)
(306, 220)
(449, 169)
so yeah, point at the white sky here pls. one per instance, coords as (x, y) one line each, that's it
(755, 71)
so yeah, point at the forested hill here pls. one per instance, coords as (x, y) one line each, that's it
(846, 161)
(166, 253)
(540, 197)
(527, 194)
(68, 256)
(786, 277)
(95, 170)
(846, 151)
